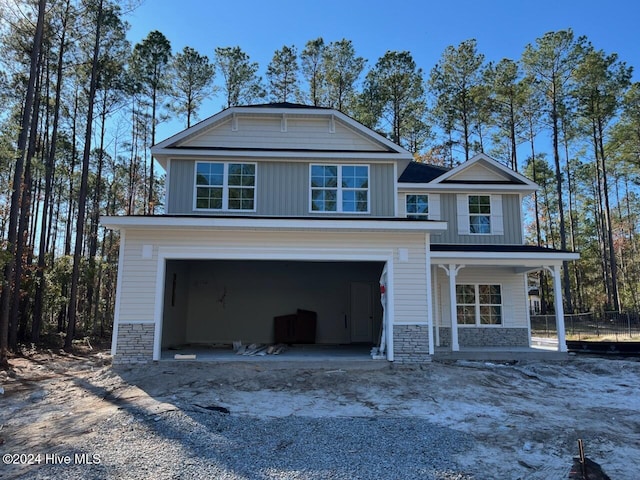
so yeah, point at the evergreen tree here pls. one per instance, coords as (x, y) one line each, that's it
(342, 68)
(282, 74)
(508, 95)
(394, 98)
(150, 69)
(550, 63)
(312, 59)
(601, 81)
(194, 75)
(241, 84)
(457, 82)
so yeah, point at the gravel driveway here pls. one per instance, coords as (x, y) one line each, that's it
(81, 419)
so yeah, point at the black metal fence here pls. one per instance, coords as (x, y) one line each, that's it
(610, 325)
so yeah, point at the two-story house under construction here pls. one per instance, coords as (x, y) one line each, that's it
(276, 208)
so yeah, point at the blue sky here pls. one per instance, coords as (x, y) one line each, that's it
(423, 27)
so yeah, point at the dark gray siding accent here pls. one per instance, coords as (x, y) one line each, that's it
(511, 219)
(181, 180)
(282, 189)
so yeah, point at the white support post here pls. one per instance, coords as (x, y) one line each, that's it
(557, 295)
(452, 271)
(116, 309)
(429, 293)
(436, 306)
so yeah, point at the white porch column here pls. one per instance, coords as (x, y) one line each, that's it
(429, 296)
(436, 306)
(452, 271)
(557, 295)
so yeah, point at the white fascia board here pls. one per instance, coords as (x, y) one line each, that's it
(117, 222)
(481, 157)
(193, 130)
(468, 187)
(162, 154)
(503, 258)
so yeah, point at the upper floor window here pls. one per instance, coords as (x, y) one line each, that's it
(225, 186)
(479, 304)
(418, 206)
(340, 188)
(479, 214)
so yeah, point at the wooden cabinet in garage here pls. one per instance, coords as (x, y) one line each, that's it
(295, 328)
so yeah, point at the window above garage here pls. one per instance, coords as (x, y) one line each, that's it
(225, 186)
(339, 188)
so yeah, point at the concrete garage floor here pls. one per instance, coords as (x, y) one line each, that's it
(361, 353)
(320, 353)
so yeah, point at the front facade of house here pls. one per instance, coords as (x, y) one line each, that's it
(277, 208)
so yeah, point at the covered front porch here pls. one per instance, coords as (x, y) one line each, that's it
(480, 308)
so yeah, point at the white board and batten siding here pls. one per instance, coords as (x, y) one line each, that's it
(282, 133)
(140, 274)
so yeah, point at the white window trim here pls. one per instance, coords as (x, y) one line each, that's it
(477, 307)
(426, 216)
(433, 201)
(495, 214)
(340, 189)
(490, 232)
(225, 188)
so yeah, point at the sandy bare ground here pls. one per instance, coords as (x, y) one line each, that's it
(525, 418)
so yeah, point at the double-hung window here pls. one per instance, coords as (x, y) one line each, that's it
(225, 186)
(479, 214)
(339, 188)
(479, 304)
(418, 207)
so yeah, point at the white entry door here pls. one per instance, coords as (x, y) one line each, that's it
(361, 312)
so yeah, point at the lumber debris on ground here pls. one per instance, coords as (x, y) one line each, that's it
(258, 349)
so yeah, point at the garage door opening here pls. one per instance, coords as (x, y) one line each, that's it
(214, 303)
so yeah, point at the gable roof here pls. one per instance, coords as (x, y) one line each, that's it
(280, 130)
(481, 171)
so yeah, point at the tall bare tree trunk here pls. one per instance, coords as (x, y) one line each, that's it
(615, 295)
(82, 197)
(49, 172)
(563, 234)
(17, 187)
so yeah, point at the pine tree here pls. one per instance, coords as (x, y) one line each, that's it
(282, 74)
(194, 75)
